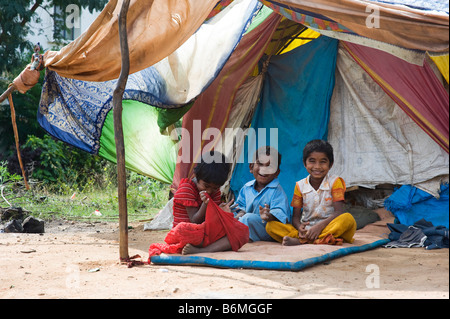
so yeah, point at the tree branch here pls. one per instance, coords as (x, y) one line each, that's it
(33, 9)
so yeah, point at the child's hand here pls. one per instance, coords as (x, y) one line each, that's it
(302, 230)
(234, 207)
(265, 213)
(314, 232)
(240, 214)
(228, 207)
(204, 197)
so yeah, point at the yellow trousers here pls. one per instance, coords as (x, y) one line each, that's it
(343, 226)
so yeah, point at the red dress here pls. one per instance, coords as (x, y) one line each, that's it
(218, 224)
(188, 195)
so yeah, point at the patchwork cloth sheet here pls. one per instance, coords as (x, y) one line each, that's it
(73, 109)
(376, 145)
(288, 103)
(411, 24)
(274, 256)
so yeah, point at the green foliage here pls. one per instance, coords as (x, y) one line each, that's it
(8, 181)
(6, 176)
(13, 30)
(66, 182)
(145, 197)
(61, 164)
(143, 192)
(26, 108)
(61, 197)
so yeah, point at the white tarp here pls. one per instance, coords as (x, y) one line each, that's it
(196, 63)
(375, 142)
(163, 220)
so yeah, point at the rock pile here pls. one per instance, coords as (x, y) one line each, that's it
(16, 221)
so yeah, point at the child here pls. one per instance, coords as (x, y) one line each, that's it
(263, 199)
(192, 197)
(318, 204)
(189, 202)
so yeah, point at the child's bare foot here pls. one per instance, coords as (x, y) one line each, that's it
(290, 241)
(190, 249)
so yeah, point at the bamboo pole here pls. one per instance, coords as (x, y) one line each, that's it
(118, 132)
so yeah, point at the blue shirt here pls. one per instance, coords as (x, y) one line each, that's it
(250, 199)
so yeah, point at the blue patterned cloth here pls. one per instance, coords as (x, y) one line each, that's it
(74, 110)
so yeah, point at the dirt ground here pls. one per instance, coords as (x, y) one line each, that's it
(80, 260)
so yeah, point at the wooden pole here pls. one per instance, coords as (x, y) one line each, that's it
(7, 93)
(118, 132)
(16, 138)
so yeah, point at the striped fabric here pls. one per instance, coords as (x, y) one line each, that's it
(414, 88)
(188, 195)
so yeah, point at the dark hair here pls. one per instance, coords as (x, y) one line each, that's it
(213, 169)
(269, 151)
(318, 146)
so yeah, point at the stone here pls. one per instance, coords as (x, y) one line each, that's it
(33, 225)
(13, 226)
(11, 213)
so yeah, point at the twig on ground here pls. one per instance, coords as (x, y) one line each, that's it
(1, 189)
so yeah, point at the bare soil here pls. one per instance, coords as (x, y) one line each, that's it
(81, 260)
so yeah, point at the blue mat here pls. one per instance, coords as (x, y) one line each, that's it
(264, 265)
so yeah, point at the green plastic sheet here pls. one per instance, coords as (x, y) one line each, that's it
(147, 150)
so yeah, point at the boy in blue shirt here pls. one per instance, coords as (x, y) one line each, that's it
(263, 199)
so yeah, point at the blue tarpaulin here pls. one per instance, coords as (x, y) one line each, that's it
(410, 204)
(296, 100)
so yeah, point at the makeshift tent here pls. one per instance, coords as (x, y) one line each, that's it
(371, 83)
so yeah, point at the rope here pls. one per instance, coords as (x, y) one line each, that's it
(27, 79)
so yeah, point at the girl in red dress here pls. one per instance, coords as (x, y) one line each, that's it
(190, 206)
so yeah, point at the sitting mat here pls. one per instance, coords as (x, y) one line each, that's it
(274, 256)
(264, 265)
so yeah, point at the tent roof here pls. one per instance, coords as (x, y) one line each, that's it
(195, 67)
(157, 28)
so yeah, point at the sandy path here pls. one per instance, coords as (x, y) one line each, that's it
(61, 264)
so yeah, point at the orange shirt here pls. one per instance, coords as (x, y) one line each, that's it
(318, 204)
